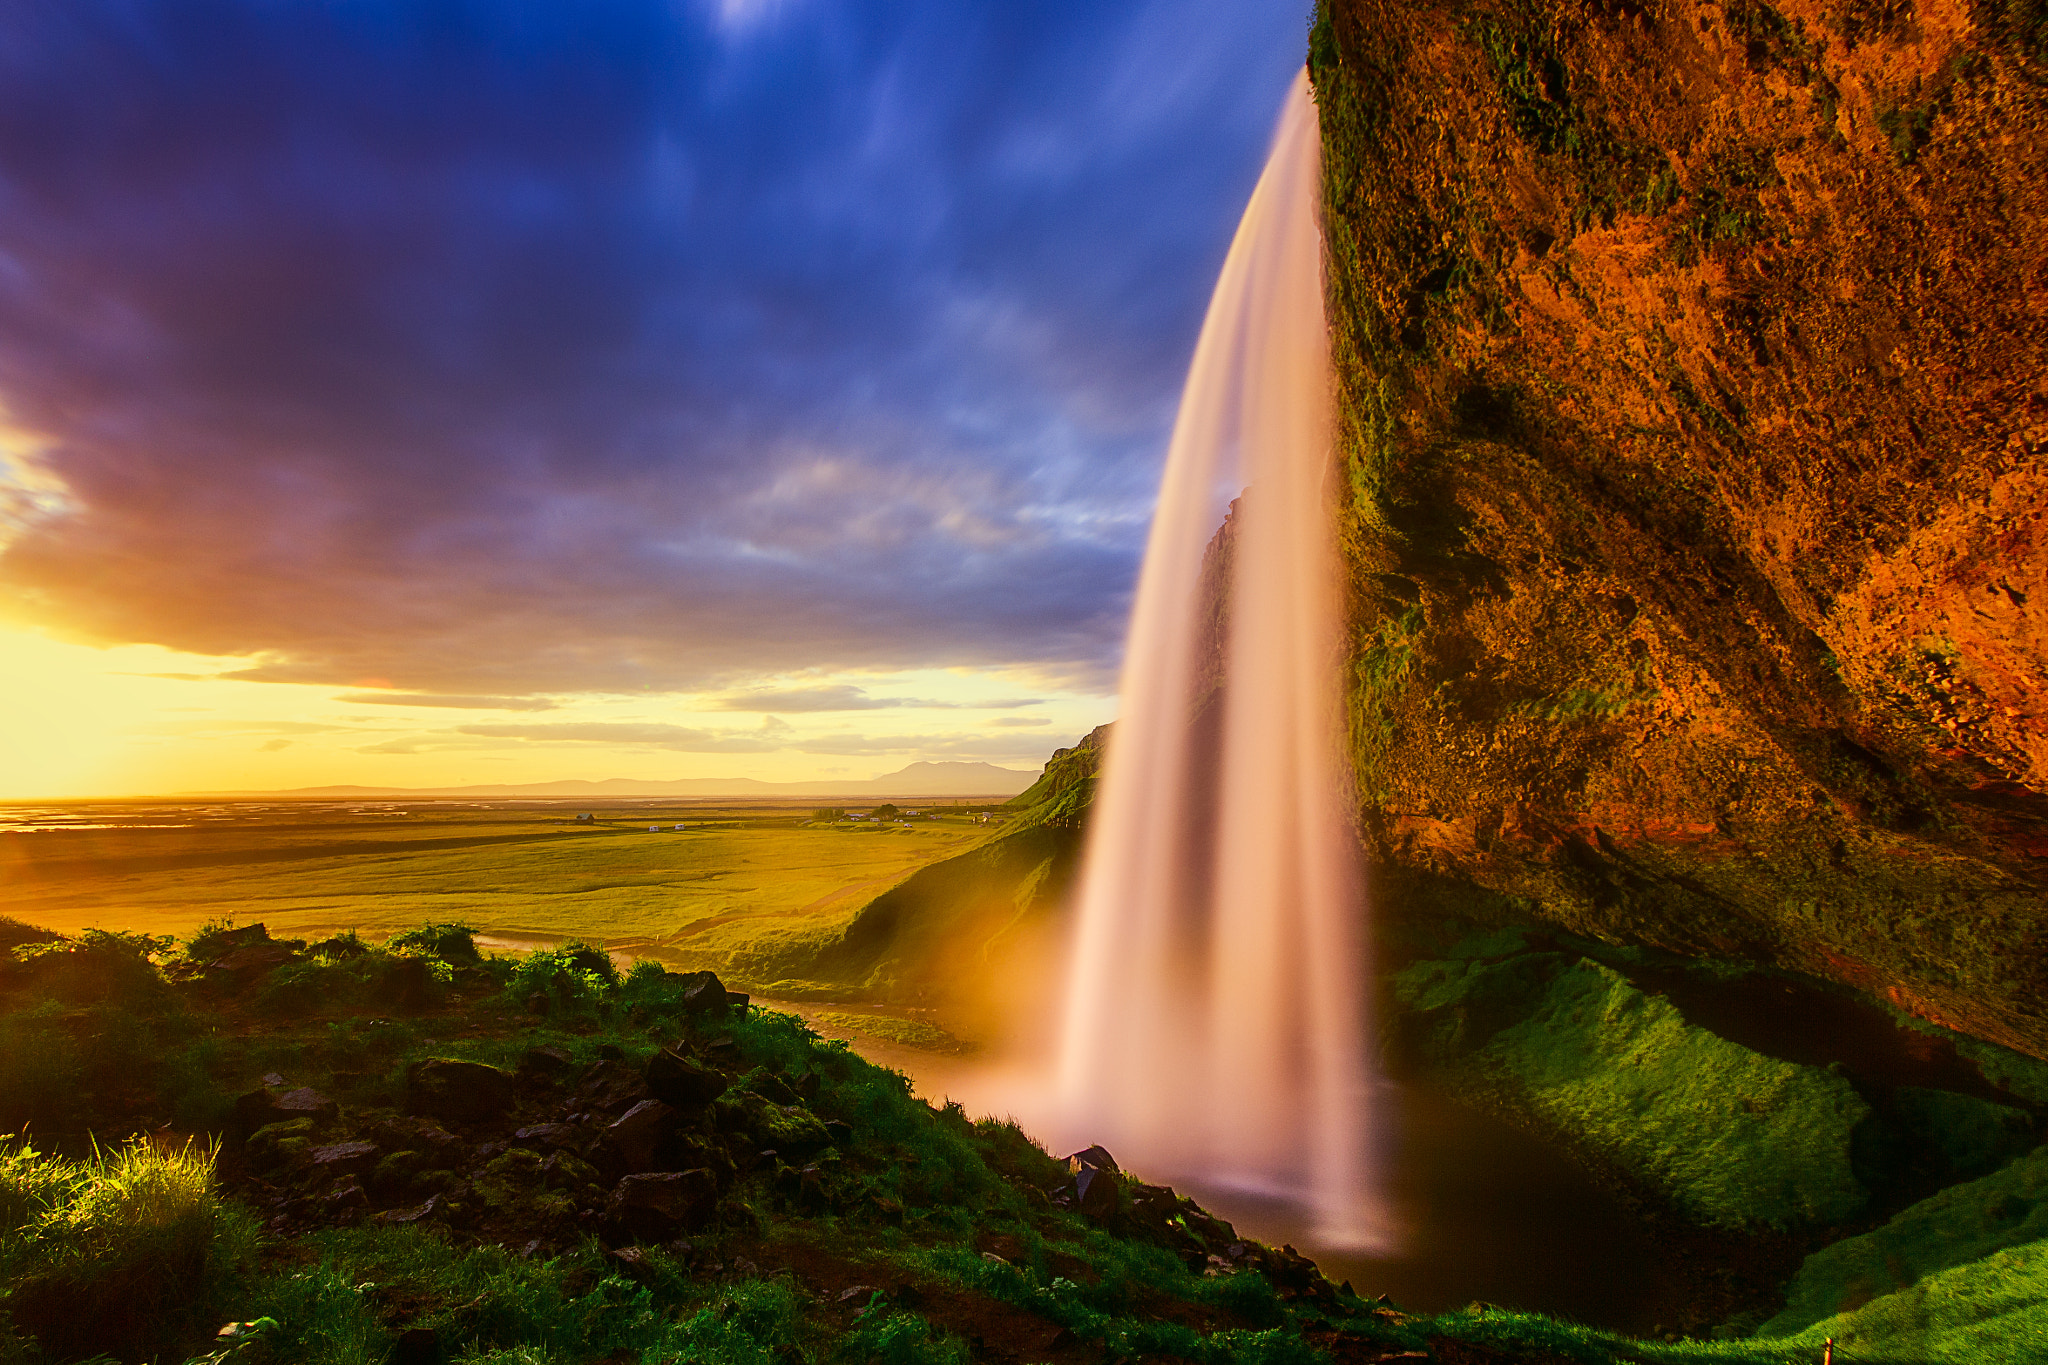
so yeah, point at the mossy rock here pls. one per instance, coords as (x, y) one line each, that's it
(1732, 1138)
(1973, 1137)
(1941, 1274)
(280, 1144)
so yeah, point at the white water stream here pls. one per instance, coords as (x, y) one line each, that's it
(1215, 1017)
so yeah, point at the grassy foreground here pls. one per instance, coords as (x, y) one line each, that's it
(235, 1149)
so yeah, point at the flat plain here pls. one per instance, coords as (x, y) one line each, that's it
(521, 872)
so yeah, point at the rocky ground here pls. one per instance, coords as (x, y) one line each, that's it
(429, 1155)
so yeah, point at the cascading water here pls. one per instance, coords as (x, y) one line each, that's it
(1215, 1016)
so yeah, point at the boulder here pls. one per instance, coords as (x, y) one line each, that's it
(548, 1135)
(457, 1092)
(658, 1206)
(791, 1131)
(639, 1134)
(546, 1060)
(268, 1104)
(224, 942)
(1095, 1158)
(681, 1081)
(245, 966)
(280, 1144)
(705, 994)
(1095, 1193)
(345, 1158)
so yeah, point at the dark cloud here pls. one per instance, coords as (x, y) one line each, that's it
(442, 699)
(499, 349)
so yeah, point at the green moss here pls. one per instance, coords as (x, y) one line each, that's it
(1960, 1276)
(1730, 1137)
(1971, 1136)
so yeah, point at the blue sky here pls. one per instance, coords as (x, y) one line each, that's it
(507, 351)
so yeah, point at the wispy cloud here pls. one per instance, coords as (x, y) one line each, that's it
(681, 738)
(846, 697)
(443, 699)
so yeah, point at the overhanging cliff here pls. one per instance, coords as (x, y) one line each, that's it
(1694, 379)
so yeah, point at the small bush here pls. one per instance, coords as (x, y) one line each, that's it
(452, 943)
(98, 965)
(576, 975)
(211, 940)
(119, 1254)
(16, 934)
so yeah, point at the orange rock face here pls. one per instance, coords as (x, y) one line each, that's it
(1694, 367)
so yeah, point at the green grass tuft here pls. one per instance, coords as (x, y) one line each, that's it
(119, 1253)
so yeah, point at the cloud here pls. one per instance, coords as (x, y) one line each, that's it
(438, 699)
(631, 734)
(967, 745)
(271, 746)
(1019, 720)
(507, 350)
(846, 697)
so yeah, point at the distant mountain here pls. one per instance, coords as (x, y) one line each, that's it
(917, 780)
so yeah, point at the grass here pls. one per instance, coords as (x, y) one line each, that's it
(119, 1252)
(918, 1033)
(750, 891)
(908, 1200)
(1730, 1137)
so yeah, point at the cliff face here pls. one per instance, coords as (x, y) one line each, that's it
(1694, 373)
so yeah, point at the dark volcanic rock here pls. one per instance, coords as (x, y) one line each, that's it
(457, 1092)
(546, 1060)
(655, 1207)
(1095, 1193)
(345, 1158)
(247, 965)
(680, 1081)
(1095, 1158)
(639, 1133)
(270, 1104)
(705, 994)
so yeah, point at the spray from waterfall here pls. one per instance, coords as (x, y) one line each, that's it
(1215, 1020)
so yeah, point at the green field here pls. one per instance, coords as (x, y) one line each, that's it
(740, 877)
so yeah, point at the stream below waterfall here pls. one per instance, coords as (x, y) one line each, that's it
(1487, 1211)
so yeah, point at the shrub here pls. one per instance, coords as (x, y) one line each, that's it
(211, 939)
(576, 974)
(120, 1254)
(98, 965)
(450, 942)
(15, 934)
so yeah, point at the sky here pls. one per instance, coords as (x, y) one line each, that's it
(433, 393)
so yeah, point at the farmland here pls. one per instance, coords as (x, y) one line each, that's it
(521, 872)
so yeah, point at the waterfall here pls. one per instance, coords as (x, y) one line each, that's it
(1215, 1018)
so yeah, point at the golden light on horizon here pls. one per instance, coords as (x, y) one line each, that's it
(79, 721)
